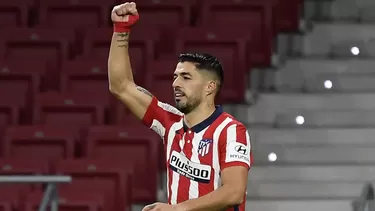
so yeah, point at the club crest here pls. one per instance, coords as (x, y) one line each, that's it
(204, 147)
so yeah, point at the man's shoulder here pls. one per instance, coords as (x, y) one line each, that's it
(170, 109)
(233, 121)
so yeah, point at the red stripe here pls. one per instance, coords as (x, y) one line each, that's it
(208, 159)
(241, 133)
(175, 147)
(184, 183)
(222, 145)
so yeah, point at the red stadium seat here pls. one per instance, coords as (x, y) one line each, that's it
(141, 48)
(287, 15)
(31, 66)
(26, 66)
(80, 13)
(98, 176)
(229, 47)
(15, 193)
(128, 147)
(38, 142)
(160, 79)
(9, 115)
(69, 201)
(15, 13)
(19, 88)
(164, 12)
(33, 43)
(258, 18)
(87, 80)
(5, 206)
(65, 111)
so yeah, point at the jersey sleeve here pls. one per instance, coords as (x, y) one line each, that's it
(235, 147)
(159, 116)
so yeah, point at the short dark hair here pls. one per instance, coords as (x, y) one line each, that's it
(205, 61)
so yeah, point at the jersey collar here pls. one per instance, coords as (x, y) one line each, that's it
(205, 123)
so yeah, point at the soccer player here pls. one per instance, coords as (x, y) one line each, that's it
(207, 150)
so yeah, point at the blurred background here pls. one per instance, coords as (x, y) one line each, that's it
(299, 74)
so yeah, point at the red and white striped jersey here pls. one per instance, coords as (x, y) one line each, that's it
(195, 156)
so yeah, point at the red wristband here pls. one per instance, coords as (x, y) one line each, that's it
(125, 26)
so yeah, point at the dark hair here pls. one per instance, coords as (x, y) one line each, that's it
(204, 61)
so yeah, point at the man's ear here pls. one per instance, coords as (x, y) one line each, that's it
(211, 87)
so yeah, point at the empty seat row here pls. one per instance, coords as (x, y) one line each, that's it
(107, 185)
(88, 13)
(134, 148)
(56, 44)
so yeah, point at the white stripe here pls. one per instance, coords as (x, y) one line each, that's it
(169, 108)
(248, 143)
(175, 176)
(158, 128)
(216, 154)
(231, 136)
(193, 188)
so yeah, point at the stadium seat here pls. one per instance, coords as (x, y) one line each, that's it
(258, 19)
(87, 80)
(80, 13)
(229, 47)
(287, 15)
(159, 79)
(26, 66)
(37, 43)
(141, 49)
(66, 111)
(15, 13)
(165, 12)
(9, 115)
(5, 206)
(128, 147)
(19, 88)
(98, 176)
(15, 193)
(68, 201)
(30, 66)
(38, 142)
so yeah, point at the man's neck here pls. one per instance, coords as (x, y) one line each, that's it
(198, 115)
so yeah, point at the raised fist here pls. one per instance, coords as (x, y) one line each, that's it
(121, 13)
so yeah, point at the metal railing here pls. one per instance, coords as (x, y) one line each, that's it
(366, 201)
(50, 194)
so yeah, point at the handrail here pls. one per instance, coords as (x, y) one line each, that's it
(50, 194)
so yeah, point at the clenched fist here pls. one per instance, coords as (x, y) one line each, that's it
(120, 13)
(124, 16)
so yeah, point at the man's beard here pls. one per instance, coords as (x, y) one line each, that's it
(188, 106)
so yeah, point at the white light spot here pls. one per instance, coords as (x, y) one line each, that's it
(300, 120)
(328, 84)
(272, 157)
(355, 50)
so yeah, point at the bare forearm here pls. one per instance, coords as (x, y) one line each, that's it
(220, 199)
(119, 67)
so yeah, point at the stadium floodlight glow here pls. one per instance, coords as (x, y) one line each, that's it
(272, 157)
(300, 120)
(328, 84)
(355, 50)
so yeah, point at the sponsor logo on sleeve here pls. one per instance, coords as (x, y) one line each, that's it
(238, 152)
(180, 164)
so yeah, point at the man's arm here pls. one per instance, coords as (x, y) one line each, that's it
(230, 194)
(121, 83)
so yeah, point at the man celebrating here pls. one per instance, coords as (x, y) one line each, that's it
(207, 151)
